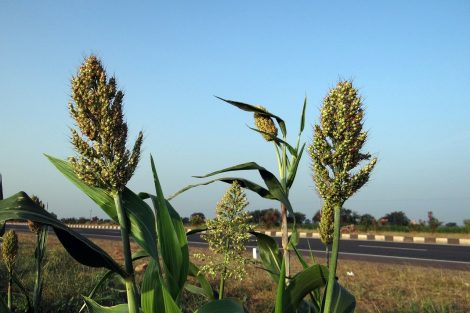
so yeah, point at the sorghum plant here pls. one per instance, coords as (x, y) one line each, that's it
(102, 158)
(288, 158)
(227, 235)
(335, 153)
(9, 256)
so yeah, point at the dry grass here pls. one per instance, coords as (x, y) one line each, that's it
(379, 288)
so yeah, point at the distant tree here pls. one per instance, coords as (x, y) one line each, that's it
(397, 218)
(367, 221)
(349, 217)
(197, 218)
(433, 222)
(466, 224)
(255, 216)
(185, 220)
(451, 224)
(299, 218)
(316, 218)
(270, 217)
(307, 221)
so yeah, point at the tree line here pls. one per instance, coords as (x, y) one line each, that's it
(394, 221)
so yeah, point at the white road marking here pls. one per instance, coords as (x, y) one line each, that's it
(392, 248)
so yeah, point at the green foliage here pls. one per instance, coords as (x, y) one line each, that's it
(466, 224)
(197, 219)
(367, 221)
(433, 222)
(20, 206)
(270, 217)
(397, 218)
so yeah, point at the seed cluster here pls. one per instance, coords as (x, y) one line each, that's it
(227, 234)
(102, 158)
(10, 249)
(336, 149)
(265, 124)
(327, 223)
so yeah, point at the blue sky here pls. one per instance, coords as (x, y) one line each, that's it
(409, 59)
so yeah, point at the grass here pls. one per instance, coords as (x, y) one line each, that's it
(379, 288)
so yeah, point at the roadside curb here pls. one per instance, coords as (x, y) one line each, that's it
(365, 237)
(385, 238)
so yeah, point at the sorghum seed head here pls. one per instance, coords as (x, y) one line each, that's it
(265, 124)
(10, 249)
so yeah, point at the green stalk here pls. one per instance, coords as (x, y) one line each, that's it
(10, 281)
(41, 239)
(333, 260)
(222, 277)
(37, 287)
(126, 249)
(222, 285)
(284, 228)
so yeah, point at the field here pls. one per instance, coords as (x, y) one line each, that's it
(378, 287)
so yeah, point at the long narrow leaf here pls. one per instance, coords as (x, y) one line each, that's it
(142, 225)
(176, 263)
(293, 166)
(23, 290)
(302, 117)
(280, 301)
(250, 108)
(205, 289)
(276, 139)
(302, 284)
(269, 254)
(274, 186)
(94, 307)
(103, 279)
(20, 206)
(244, 183)
(155, 297)
(151, 299)
(343, 301)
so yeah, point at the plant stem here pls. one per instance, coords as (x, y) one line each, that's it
(222, 284)
(285, 238)
(222, 277)
(37, 287)
(284, 229)
(333, 260)
(10, 280)
(126, 249)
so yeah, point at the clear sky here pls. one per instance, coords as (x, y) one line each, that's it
(409, 59)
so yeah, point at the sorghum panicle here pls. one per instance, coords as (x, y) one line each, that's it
(336, 148)
(10, 249)
(265, 124)
(102, 158)
(227, 234)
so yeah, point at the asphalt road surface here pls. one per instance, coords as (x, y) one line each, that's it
(443, 256)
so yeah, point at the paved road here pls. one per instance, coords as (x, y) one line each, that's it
(444, 256)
